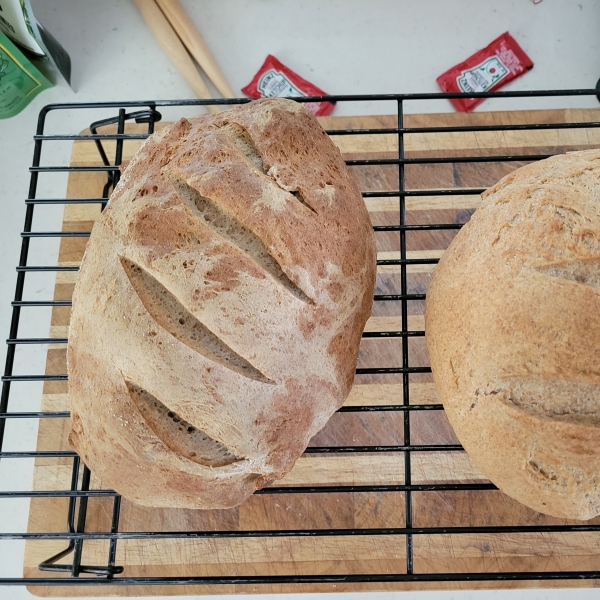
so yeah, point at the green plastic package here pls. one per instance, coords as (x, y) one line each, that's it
(20, 81)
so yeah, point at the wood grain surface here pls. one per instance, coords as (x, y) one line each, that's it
(337, 554)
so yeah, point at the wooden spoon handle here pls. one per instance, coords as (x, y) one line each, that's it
(171, 44)
(196, 46)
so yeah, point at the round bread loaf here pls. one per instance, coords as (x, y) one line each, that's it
(219, 307)
(513, 332)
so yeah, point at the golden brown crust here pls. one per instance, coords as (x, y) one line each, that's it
(513, 333)
(226, 284)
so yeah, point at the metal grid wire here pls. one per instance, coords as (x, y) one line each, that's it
(75, 533)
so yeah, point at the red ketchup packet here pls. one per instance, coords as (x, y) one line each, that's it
(275, 80)
(486, 71)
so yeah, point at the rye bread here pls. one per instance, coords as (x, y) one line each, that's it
(513, 332)
(219, 307)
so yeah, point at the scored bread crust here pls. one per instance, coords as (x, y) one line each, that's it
(219, 307)
(513, 332)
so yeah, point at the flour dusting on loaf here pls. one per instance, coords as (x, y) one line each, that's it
(219, 307)
(513, 333)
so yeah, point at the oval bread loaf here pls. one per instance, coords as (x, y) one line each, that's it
(219, 307)
(513, 333)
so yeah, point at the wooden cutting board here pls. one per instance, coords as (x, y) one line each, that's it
(336, 554)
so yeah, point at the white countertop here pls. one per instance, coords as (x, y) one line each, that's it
(343, 46)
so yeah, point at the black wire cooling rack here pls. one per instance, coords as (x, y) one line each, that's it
(399, 293)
